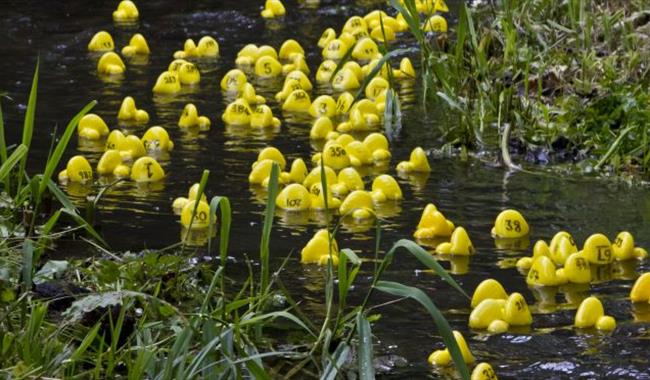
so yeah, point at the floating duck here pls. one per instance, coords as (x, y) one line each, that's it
(358, 204)
(365, 50)
(130, 147)
(345, 80)
(297, 101)
(208, 47)
(190, 118)
(435, 23)
(598, 249)
(334, 156)
(353, 24)
(539, 249)
(383, 34)
(406, 69)
(156, 139)
(248, 93)
(167, 83)
(314, 176)
(299, 77)
(323, 105)
(592, 314)
(325, 71)
(110, 163)
(433, 224)
(101, 41)
(359, 121)
(318, 198)
(385, 188)
(417, 162)
(273, 154)
(268, 67)
(488, 289)
(322, 129)
(319, 249)
(261, 172)
(377, 145)
(496, 314)
(376, 87)
(147, 169)
(543, 273)
(137, 46)
(126, 11)
(460, 244)
(335, 49)
(114, 139)
(483, 371)
(328, 35)
(442, 358)
(77, 170)
(576, 270)
(262, 117)
(510, 224)
(180, 202)
(294, 197)
(201, 218)
(297, 63)
(562, 248)
(237, 113)
(624, 248)
(92, 127)
(129, 113)
(111, 64)
(233, 81)
(297, 173)
(188, 74)
(641, 290)
(358, 154)
(355, 68)
(348, 180)
(290, 49)
(287, 89)
(273, 8)
(249, 54)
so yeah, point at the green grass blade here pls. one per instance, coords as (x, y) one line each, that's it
(223, 204)
(444, 329)
(28, 126)
(28, 264)
(3, 142)
(276, 314)
(85, 343)
(365, 354)
(9, 163)
(411, 18)
(85, 225)
(61, 197)
(55, 158)
(266, 230)
(336, 361)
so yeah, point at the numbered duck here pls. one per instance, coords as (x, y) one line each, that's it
(156, 139)
(237, 113)
(190, 118)
(110, 163)
(442, 358)
(273, 9)
(262, 117)
(167, 83)
(320, 248)
(510, 224)
(179, 203)
(77, 170)
(126, 12)
(147, 169)
(102, 41)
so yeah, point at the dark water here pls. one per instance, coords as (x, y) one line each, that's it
(471, 194)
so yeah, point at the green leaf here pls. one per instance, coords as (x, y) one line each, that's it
(28, 264)
(9, 163)
(268, 224)
(365, 354)
(444, 329)
(336, 361)
(85, 343)
(28, 126)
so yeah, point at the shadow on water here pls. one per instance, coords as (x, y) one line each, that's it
(471, 194)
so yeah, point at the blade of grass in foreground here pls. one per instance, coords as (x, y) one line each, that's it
(366, 367)
(416, 294)
(28, 126)
(9, 163)
(266, 230)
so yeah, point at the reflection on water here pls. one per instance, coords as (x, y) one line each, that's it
(133, 216)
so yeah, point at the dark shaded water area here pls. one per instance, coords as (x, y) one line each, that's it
(471, 194)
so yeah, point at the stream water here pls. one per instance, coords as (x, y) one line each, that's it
(471, 194)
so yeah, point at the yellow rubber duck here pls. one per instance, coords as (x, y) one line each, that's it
(366, 50)
(328, 35)
(294, 197)
(624, 248)
(110, 163)
(488, 289)
(77, 170)
(156, 139)
(436, 23)
(322, 129)
(433, 224)
(375, 87)
(359, 205)
(110, 64)
(167, 83)
(297, 101)
(262, 117)
(325, 71)
(137, 46)
(373, 18)
(147, 169)
(442, 358)
(299, 77)
(208, 47)
(348, 180)
(101, 41)
(261, 172)
(417, 162)
(318, 198)
(358, 153)
(460, 244)
(319, 249)
(576, 270)
(115, 139)
(598, 250)
(273, 8)
(201, 216)
(237, 113)
(297, 173)
(510, 224)
(562, 245)
(406, 70)
(189, 74)
(92, 127)
(385, 188)
(248, 93)
(483, 371)
(290, 49)
(377, 145)
(126, 11)
(268, 67)
(190, 118)
(355, 68)
(353, 24)
(334, 155)
(233, 81)
(497, 315)
(385, 34)
(347, 38)
(592, 314)
(180, 202)
(297, 63)
(287, 89)
(271, 153)
(249, 54)
(129, 113)
(345, 80)
(543, 273)
(641, 290)
(323, 105)
(131, 147)
(335, 49)
(314, 176)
